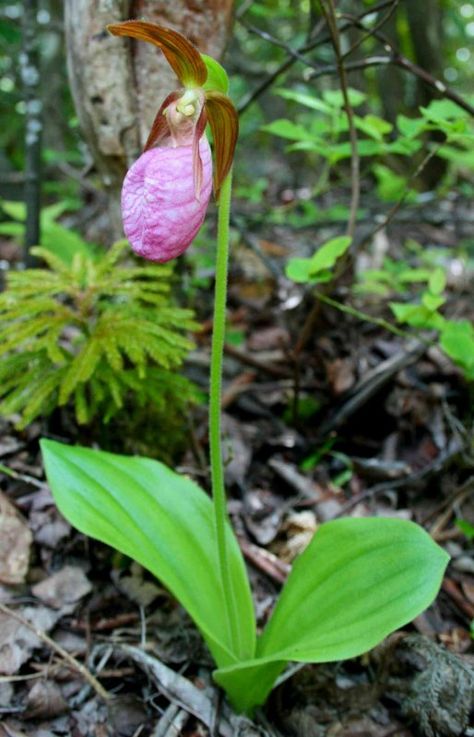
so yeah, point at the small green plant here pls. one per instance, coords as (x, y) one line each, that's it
(90, 333)
(456, 337)
(323, 134)
(319, 268)
(358, 580)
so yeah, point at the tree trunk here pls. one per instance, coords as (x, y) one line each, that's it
(119, 84)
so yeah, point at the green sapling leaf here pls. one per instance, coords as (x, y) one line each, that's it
(437, 281)
(318, 268)
(457, 341)
(327, 255)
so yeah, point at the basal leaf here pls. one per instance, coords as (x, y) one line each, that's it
(162, 520)
(248, 684)
(358, 580)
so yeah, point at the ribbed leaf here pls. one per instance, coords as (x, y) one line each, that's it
(358, 580)
(162, 520)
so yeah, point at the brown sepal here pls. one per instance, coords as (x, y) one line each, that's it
(224, 122)
(180, 53)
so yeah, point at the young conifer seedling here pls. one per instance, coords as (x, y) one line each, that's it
(359, 579)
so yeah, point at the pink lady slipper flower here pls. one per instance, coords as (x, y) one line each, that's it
(166, 192)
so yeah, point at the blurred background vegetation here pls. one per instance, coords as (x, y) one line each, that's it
(409, 69)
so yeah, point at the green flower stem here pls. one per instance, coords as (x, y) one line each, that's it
(217, 352)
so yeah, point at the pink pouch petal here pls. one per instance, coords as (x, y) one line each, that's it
(160, 210)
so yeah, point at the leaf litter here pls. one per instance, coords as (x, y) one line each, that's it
(379, 428)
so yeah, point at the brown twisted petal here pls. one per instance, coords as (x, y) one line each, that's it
(182, 56)
(197, 162)
(224, 122)
(160, 128)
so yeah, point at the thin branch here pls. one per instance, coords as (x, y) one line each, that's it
(372, 31)
(395, 208)
(395, 58)
(75, 664)
(329, 12)
(294, 55)
(401, 61)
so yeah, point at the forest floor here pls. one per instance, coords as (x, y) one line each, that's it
(381, 424)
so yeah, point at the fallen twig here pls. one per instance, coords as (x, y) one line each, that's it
(75, 664)
(186, 695)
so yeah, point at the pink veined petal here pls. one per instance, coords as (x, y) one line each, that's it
(160, 210)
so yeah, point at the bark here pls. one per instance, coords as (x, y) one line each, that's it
(119, 84)
(30, 73)
(426, 30)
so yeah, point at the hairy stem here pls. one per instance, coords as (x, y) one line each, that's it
(217, 351)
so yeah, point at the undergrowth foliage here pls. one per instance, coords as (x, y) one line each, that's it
(90, 333)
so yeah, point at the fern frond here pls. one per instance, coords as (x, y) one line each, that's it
(39, 394)
(81, 369)
(55, 263)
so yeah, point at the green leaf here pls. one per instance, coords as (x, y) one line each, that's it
(248, 684)
(357, 581)
(286, 129)
(162, 520)
(13, 229)
(457, 341)
(410, 127)
(391, 186)
(417, 315)
(374, 126)
(466, 528)
(442, 110)
(432, 301)
(327, 255)
(15, 210)
(437, 281)
(310, 101)
(299, 270)
(317, 268)
(335, 97)
(217, 78)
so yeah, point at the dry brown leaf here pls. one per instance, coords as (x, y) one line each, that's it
(45, 701)
(17, 641)
(137, 589)
(63, 588)
(269, 338)
(15, 543)
(340, 373)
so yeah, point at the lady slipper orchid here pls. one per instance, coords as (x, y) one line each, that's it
(166, 192)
